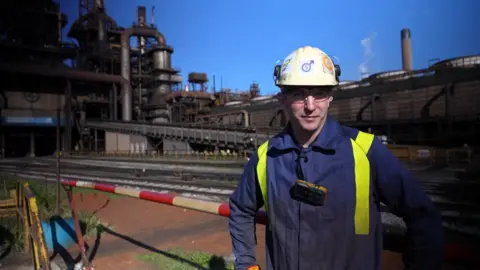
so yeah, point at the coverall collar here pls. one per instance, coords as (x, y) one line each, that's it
(324, 140)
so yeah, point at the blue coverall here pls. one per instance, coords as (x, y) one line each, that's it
(306, 237)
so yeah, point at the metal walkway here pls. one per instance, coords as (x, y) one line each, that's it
(241, 138)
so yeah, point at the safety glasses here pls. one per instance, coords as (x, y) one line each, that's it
(299, 95)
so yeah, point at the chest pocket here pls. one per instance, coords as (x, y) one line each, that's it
(360, 147)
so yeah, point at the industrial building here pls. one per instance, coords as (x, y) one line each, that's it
(101, 94)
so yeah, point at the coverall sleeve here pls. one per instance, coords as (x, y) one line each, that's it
(399, 190)
(244, 203)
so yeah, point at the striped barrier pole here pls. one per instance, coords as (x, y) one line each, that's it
(453, 252)
(222, 209)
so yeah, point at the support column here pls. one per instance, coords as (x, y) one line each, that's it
(95, 134)
(32, 144)
(2, 136)
(115, 102)
(110, 104)
(68, 119)
(3, 154)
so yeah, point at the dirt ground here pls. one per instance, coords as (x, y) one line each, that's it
(144, 227)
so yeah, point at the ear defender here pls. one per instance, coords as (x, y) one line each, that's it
(338, 72)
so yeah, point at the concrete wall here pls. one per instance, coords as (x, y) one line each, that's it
(22, 104)
(116, 142)
(169, 145)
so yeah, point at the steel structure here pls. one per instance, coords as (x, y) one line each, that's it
(80, 85)
(432, 106)
(81, 79)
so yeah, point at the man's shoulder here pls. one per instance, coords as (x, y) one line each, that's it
(277, 136)
(349, 132)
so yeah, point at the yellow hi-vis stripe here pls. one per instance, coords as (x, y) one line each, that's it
(360, 146)
(262, 172)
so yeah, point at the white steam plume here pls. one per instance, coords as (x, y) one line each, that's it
(367, 53)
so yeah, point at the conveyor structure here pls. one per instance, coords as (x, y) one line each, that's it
(246, 139)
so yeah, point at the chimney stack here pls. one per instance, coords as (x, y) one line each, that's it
(141, 15)
(406, 49)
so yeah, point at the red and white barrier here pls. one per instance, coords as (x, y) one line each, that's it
(453, 251)
(222, 209)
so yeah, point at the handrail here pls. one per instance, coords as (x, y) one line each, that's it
(27, 212)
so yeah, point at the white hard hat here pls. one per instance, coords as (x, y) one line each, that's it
(306, 66)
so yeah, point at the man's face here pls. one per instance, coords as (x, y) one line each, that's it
(306, 107)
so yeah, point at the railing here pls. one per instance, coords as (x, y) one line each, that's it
(23, 205)
(220, 155)
(408, 154)
(459, 157)
(418, 154)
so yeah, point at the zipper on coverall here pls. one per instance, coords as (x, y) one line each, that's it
(301, 176)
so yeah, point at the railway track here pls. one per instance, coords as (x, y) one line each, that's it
(212, 180)
(205, 190)
(183, 160)
(223, 171)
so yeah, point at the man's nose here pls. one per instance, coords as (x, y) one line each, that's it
(310, 103)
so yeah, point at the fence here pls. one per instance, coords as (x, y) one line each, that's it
(220, 155)
(23, 205)
(408, 154)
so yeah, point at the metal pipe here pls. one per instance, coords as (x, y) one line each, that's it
(59, 72)
(125, 64)
(110, 105)
(57, 205)
(115, 102)
(32, 144)
(68, 118)
(96, 139)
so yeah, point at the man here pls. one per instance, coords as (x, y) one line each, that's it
(328, 219)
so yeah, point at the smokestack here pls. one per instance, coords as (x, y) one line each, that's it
(141, 14)
(141, 20)
(406, 49)
(153, 16)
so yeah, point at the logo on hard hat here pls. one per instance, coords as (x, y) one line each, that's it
(306, 67)
(327, 64)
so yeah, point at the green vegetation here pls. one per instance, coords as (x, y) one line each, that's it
(45, 193)
(178, 259)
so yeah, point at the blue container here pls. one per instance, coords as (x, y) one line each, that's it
(59, 233)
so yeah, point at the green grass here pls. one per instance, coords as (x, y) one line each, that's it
(179, 259)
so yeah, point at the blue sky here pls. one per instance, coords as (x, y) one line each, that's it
(240, 41)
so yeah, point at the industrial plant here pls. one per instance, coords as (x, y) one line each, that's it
(99, 112)
(102, 94)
